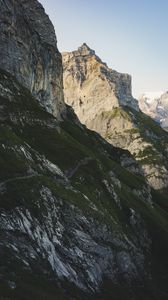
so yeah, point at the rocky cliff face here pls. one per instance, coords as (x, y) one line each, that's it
(103, 101)
(28, 51)
(85, 75)
(60, 204)
(155, 105)
(74, 222)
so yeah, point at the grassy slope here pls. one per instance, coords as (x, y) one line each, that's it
(24, 122)
(147, 129)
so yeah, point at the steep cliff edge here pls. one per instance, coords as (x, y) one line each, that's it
(103, 101)
(74, 222)
(28, 50)
(90, 87)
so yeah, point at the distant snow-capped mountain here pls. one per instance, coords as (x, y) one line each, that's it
(155, 105)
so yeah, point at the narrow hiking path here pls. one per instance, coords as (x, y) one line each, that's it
(2, 184)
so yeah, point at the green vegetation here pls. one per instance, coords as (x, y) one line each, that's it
(149, 130)
(87, 161)
(133, 131)
(12, 163)
(115, 113)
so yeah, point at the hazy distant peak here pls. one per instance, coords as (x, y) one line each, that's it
(155, 105)
(152, 95)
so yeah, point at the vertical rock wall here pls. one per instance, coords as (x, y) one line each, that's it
(28, 50)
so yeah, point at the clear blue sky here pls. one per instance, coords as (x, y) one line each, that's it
(131, 36)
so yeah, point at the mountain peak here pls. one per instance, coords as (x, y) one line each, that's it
(84, 49)
(84, 46)
(86, 74)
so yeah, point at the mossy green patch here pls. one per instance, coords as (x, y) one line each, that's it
(11, 161)
(116, 112)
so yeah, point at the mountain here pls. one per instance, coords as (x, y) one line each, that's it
(102, 99)
(75, 223)
(155, 105)
(29, 52)
(85, 75)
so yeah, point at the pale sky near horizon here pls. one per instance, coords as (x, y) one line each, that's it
(129, 35)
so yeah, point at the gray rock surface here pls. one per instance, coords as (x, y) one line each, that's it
(62, 215)
(28, 50)
(77, 249)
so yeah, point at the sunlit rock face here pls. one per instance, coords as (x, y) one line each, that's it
(91, 87)
(28, 50)
(103, 101)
